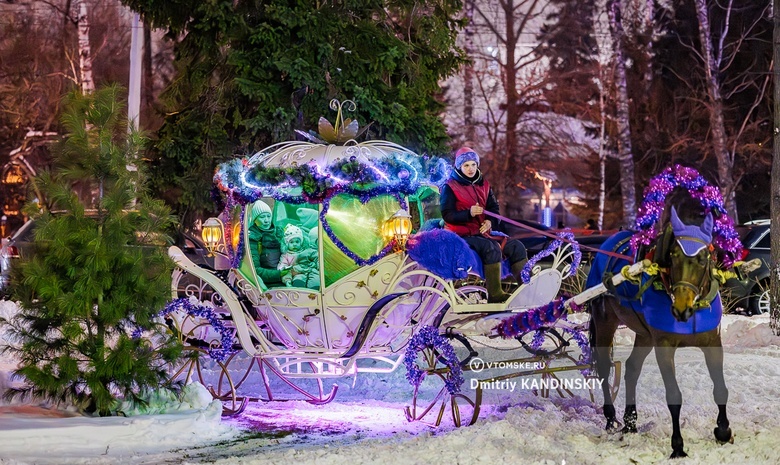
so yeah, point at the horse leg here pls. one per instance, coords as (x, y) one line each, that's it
(713, 356)
(643, 344)
(603, 324)
(665, 357)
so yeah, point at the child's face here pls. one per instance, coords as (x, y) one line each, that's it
(263, 220)
(294, 244)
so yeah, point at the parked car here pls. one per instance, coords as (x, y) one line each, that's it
(751, 290)
(20, 245)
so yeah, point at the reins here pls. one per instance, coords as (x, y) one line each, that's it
(553, 236)
(655, 273)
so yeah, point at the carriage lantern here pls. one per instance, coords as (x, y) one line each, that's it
(399, 226)
(212, 233)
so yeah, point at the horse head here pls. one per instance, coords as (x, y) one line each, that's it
(691, 278)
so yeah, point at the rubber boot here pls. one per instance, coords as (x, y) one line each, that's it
(517, 269)
(493, 283)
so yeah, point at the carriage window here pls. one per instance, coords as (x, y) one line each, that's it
(424, 206)
(283, 242)
(358, 229)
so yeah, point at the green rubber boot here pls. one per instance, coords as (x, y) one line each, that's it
(493, 284)
(517, 268)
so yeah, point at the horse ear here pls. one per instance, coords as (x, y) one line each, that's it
(677, 224)
(708, 224)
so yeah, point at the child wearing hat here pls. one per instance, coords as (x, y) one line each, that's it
(464, 199)
(299, 259)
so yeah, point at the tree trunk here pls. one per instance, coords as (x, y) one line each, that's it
(602, 151)
(774, 290)
(649, 34)
(624, 156)
(85, 54)
(148, 80)
(468, 76)
(511, 150)
(717, 125)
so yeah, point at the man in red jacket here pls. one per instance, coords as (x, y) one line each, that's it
(464, 199)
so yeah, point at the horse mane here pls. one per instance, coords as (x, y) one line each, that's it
(689, 209)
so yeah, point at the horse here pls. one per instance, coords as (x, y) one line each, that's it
(679, 307)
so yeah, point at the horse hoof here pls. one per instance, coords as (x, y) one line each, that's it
(614, 427)
(677, 454)
(629, 429)
(724, 436)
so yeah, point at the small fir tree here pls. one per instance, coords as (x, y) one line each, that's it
(98, 276)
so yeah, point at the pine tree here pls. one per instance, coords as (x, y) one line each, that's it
(97, 276)
(252, 72)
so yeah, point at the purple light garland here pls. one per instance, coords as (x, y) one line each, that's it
(568, 236)
(725, 236)
(429, 337)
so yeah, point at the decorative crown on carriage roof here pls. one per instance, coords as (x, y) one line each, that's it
(315, 171)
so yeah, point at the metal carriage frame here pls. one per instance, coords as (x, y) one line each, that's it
(369, 314)
(413, 298)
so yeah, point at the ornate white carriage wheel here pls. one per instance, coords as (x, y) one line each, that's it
(196, 365)
(199, 338)
(434, 370)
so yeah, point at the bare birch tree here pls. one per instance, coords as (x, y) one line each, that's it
(468, 73)
(774, 276)
(718, 127)
(85, 52)
(624, 154)
(718, 51)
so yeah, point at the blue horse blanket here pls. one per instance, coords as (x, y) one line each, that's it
(655, 305)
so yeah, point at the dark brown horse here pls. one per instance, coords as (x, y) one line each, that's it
(679, 307)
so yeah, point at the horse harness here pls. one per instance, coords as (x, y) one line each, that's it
(659, 271)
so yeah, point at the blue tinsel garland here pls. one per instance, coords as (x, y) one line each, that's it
(355, 257)
(536, 319)
(429, 337)
(226, 347)
(568, 236)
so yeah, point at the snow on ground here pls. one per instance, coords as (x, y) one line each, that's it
(366, 424)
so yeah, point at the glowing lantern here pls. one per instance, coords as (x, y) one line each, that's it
(212, 233)
(398, 227)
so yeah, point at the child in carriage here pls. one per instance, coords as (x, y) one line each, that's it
(464, 199)
(299, 259)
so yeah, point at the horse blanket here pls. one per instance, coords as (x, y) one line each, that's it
(655, 305)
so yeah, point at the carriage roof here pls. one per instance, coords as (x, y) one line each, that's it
(314, 172)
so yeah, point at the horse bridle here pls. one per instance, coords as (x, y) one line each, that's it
(714, 282)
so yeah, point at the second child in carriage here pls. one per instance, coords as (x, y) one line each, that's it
(464, 199)
(299, 261)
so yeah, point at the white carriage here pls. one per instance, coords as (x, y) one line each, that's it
(363, 204)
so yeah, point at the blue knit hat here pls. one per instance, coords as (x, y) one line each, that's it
(465, 154)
